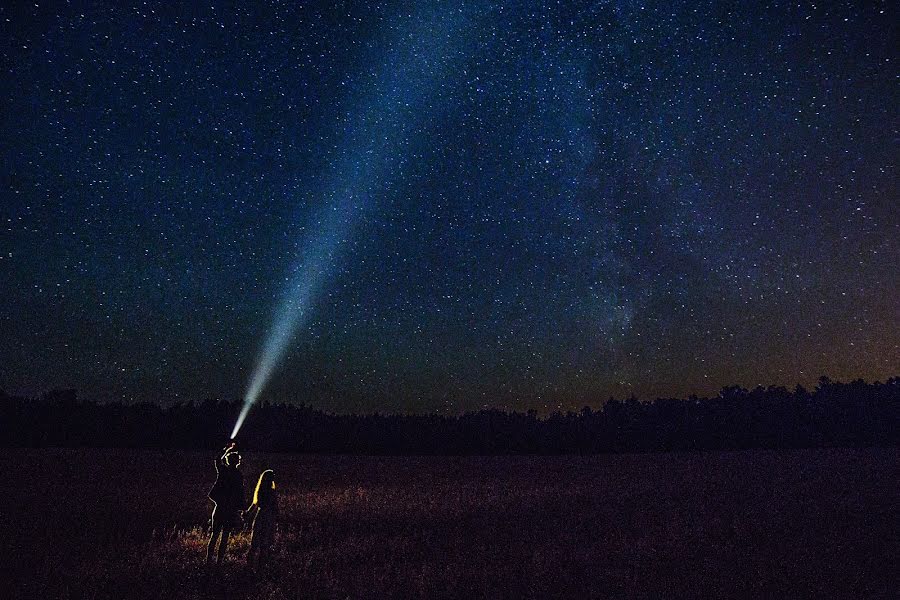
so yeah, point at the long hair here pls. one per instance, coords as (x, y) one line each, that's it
(266, 482)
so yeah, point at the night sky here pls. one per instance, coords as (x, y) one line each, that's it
(520, 205)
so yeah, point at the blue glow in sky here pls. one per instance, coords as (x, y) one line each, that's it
(418, 52)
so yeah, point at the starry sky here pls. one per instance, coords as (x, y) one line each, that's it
(515, 205)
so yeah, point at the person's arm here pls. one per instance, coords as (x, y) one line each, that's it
(232, 447)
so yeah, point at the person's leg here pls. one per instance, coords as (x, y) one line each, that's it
(210, 546)
(266, 542)
(223, 545)
(253, 553)
(263, 556)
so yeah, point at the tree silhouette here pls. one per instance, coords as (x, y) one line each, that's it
(835, 414)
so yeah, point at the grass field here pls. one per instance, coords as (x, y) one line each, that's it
(131, 524)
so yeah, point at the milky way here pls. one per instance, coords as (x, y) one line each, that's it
(514, 205)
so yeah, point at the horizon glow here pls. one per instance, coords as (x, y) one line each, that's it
(418, 54)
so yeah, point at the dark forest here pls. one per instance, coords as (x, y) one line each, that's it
(834, 414)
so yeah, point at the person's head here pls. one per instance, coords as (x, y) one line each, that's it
(233, 460)
(266, 482)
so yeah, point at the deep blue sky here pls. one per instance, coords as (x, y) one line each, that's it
(539, 204)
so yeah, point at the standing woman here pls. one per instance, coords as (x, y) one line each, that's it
(265, 503)
(228, 496)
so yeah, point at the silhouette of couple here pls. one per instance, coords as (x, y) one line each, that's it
(227, 495)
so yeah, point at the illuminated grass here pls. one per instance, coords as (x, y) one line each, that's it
(122, 524)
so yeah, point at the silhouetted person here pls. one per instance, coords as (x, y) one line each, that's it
(265, 503)
(228, 496)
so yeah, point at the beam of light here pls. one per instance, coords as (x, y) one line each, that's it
(421, 49)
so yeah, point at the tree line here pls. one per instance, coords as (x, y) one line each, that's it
(834, 414)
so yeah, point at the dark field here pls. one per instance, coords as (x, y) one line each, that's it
(130, 524)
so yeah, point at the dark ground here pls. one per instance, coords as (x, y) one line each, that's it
(128, 524)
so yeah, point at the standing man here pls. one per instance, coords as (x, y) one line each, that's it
(227, 495)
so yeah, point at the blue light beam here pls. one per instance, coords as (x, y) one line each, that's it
(421, 50)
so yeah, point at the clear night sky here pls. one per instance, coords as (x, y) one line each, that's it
(532, 204)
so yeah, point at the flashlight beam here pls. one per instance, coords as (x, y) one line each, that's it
(421, 50)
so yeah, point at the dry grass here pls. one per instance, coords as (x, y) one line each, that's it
(131, 524)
